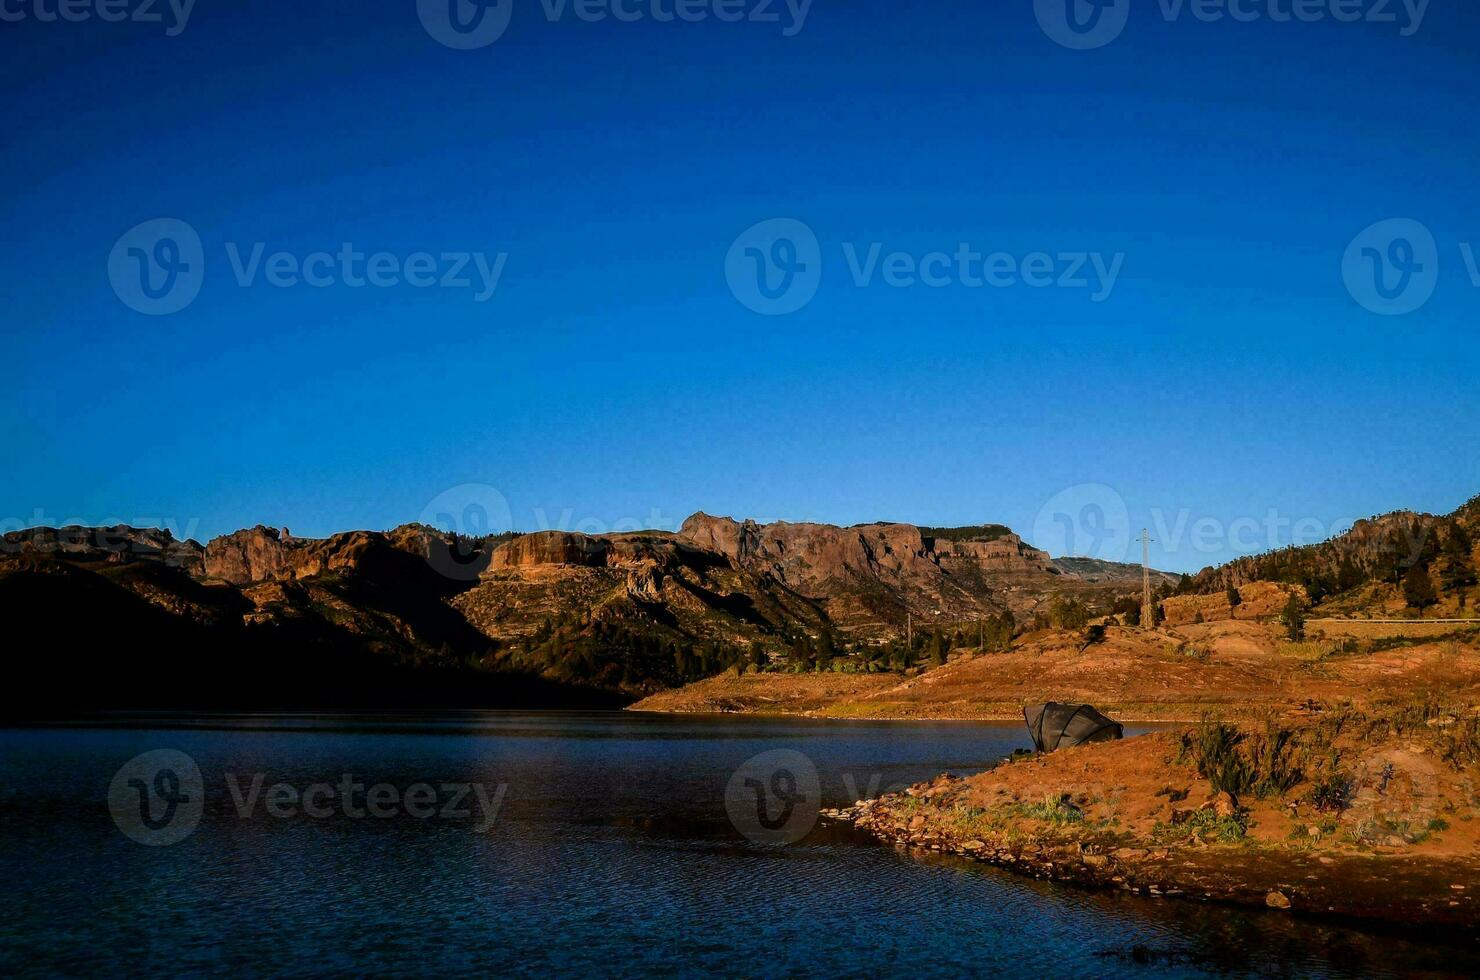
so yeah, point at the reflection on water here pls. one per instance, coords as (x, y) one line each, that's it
(611, 853)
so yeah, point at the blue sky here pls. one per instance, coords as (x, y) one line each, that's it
(614, 379)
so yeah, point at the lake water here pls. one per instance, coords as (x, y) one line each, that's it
(610, 850)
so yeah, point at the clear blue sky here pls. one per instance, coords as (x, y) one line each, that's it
(614, 378)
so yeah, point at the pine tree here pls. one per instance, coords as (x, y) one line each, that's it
(997, 633)
(827, 648)
(1293, 616)
(1457, 572)
(1418, 589)
(1234, 599)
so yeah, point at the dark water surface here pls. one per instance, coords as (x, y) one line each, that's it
(611, 854)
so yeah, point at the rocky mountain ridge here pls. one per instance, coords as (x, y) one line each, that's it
(623, 614)
(626, 607)
(1383, 550)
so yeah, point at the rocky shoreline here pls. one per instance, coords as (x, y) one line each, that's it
(1054, 839)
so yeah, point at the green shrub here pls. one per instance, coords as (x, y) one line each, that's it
(1214, 750)
(1273, 758)
(1204, 825)
(1052, 809)
(1333, 792)
(1239, 764)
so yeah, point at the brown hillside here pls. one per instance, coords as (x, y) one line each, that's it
(1227, 667)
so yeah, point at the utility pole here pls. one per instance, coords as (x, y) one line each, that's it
(1147, 612)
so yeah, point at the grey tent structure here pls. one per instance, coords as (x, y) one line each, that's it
(1060, 726)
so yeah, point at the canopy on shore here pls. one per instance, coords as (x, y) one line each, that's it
(1060, 726)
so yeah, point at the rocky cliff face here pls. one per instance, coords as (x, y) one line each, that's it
(734, 582)
(254, 555)
(818, 554)
(551, 548)
(264, 554)
(118, 545)
(813, 555)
